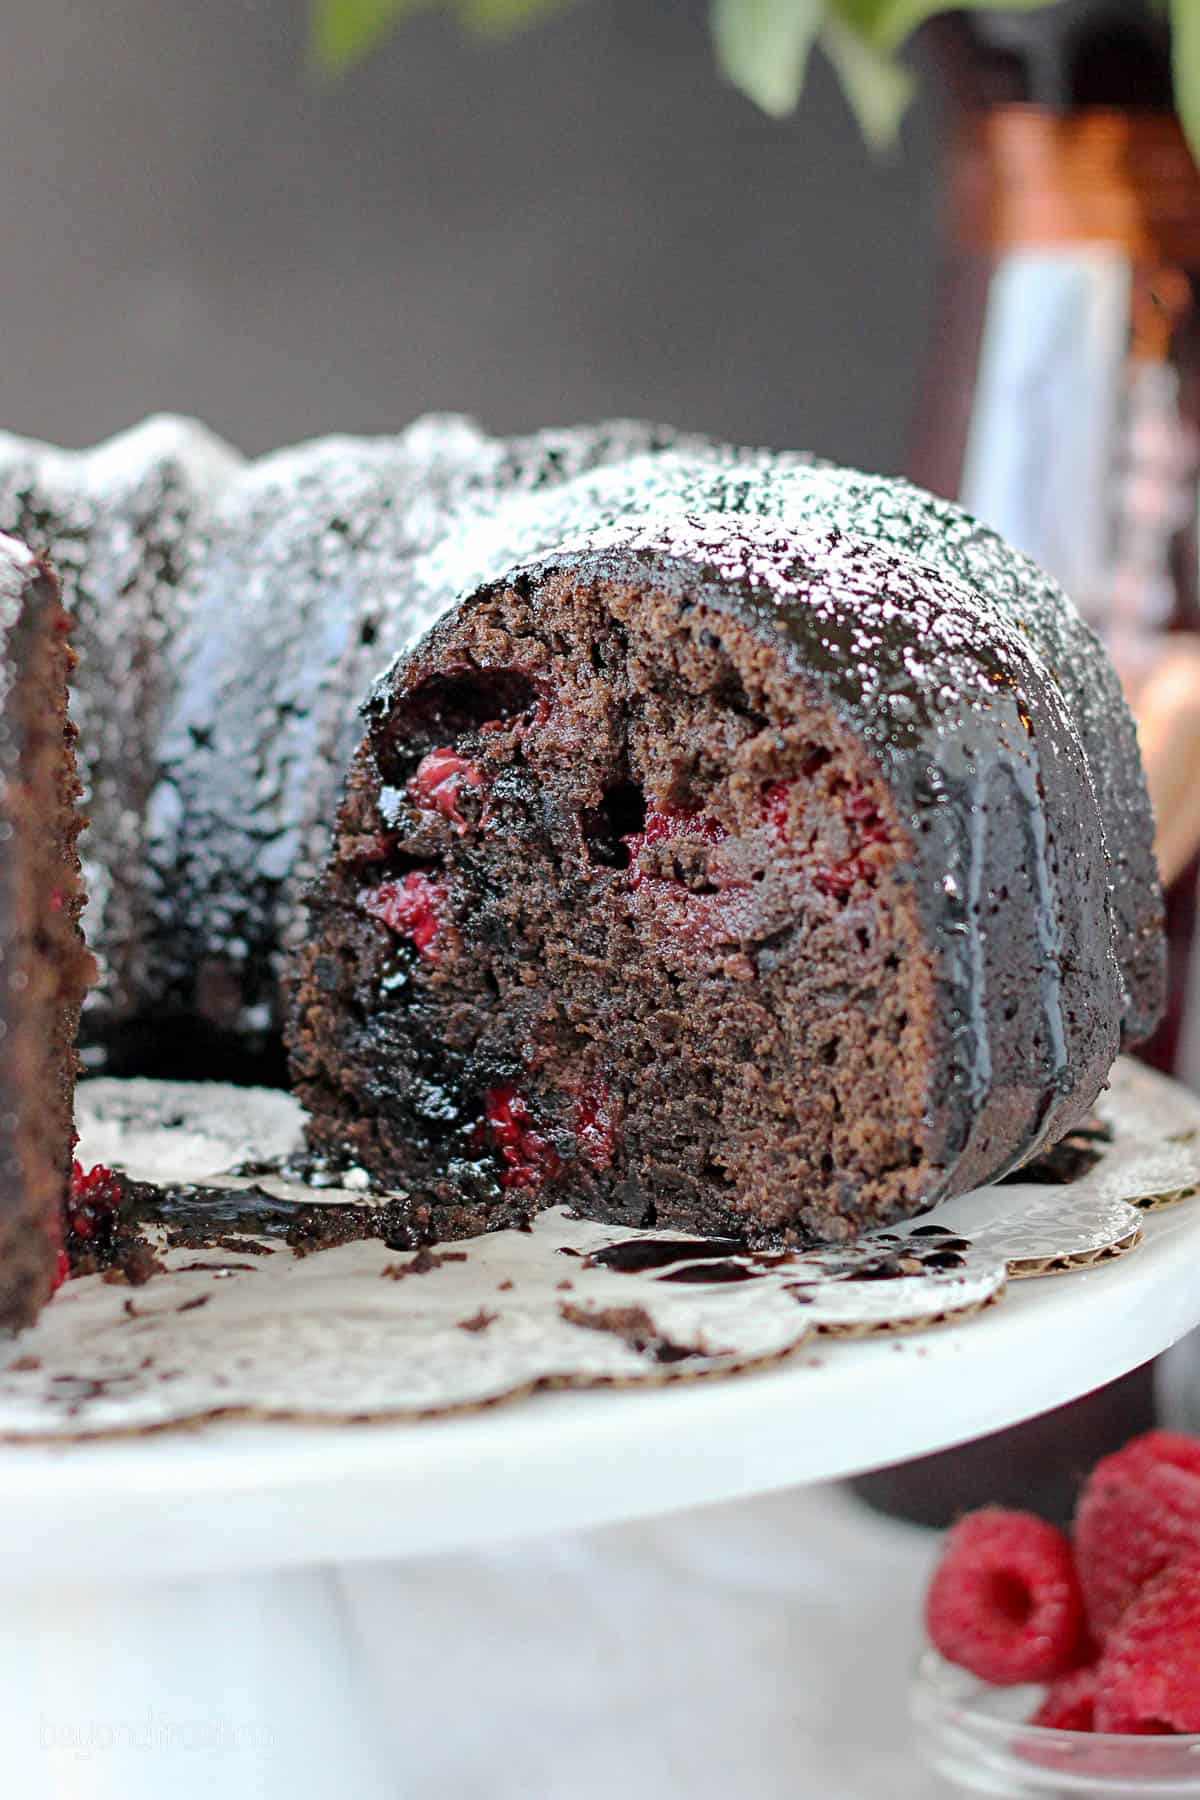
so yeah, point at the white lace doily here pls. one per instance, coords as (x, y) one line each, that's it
(362, 1332)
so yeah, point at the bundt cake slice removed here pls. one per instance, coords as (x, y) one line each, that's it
(43, 965)
(715, 873)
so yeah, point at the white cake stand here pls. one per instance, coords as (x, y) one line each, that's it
(172, 1613)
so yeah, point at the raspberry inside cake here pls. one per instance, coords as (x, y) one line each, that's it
(622, 910)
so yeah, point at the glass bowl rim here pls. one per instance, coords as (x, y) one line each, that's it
(932, 1675)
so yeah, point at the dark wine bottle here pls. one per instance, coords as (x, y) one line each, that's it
(1062, 405)
(1063, 401)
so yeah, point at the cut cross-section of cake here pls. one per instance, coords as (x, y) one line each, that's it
(44, 967)
(726, 866)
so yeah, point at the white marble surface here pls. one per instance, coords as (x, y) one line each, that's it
(761, 1649)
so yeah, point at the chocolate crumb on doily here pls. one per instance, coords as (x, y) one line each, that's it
(633, 1325)
(478, 1321)
(423, 1263)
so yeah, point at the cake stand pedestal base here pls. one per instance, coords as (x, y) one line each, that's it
(240, 1686)
(220, 1655)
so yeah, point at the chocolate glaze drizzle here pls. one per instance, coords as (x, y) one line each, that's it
(700, 1262)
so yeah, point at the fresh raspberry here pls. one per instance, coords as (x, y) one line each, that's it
(528, 1159)
(411, 907)
(1148, 1681)
(861, 806)
(1156, 1449)
(439, 782)
(663, 824)
(1004, 1601)
(866, 827)
(1139, 1510)
(1070, 1703)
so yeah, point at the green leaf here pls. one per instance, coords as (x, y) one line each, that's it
(344, 31)
(876, 86)
(491, 18)
(1185, 60)
(763, 47)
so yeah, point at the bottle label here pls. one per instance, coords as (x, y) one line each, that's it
(1046, 414)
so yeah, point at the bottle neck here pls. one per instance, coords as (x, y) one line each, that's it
(1063, 58)
(1024, 177)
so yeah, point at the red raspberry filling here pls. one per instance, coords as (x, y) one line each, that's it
(776, 794)
(440, 781)
(866, 828)
(91, 1214)
(595, 1128)
(509, 1128)
(775, 805)
(411, 907)
(94, 1201)
(663, 824)
(865, 825)
(1004, 1601)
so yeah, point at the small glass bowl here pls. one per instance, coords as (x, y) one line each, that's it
(974, 1736)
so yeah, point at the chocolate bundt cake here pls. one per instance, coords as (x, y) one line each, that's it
(43, 965)
(738, 854)
(751, 845)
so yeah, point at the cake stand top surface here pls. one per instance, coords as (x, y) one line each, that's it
(253, 1495)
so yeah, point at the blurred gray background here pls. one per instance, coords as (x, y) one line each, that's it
(578, 221)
